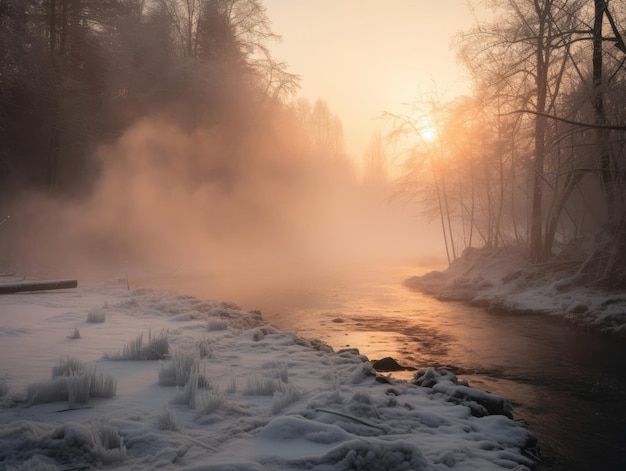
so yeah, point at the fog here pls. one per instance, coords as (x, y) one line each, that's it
(245, 211)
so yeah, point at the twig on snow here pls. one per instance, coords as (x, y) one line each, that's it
(356, 419)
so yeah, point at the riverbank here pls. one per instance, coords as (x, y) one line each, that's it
(502, 280)
(143, 379)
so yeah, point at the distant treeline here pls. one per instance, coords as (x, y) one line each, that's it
(75, 74)
(161, 132)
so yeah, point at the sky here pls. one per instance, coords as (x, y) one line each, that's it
(365, 57)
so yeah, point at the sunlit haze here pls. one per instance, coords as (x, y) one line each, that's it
(198, 173)
(312, 234)
(365, 57)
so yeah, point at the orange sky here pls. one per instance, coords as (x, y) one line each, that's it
(365, 57)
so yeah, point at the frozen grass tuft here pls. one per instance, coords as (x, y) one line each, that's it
(110, 444)
(36, 463)
(166, 420)
(74, 335)
(362, 397)
(210, 402)
(91, 445)
(66, 366)
(72, 381)
(79, 386)
(97, 315)
(205, 350)
(188, 395)
(176, 372)
(281, 371)
(263, 386)
(216, 324)
(232, 386)
(268, 386)
(45, 392)
(103, 385)
(157, 348)
(284, 398)
(4, 387)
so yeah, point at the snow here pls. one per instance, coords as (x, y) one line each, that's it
(502, 280)
(254, 398)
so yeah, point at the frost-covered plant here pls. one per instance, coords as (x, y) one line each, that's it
(157, 348)
(176, 372)
(189, 393)
(45, 392)
(91, 445)
(103, 385)
(79, 386)
(232, 386)
(216, 324)
(66, 366)
(36, 463)
(4, 387)
(281, 371)
(204, 349)
(210, 402)
(362, 397)
(97, 315)
(262, 386)
(74, 335)
(166, 420)
(181, 368)
(109, 443)
(72, 381)
(284, 398)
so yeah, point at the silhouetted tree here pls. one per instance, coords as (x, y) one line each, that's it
(375, 162)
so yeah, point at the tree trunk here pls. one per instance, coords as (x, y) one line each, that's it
(598, 107)
(536, 218)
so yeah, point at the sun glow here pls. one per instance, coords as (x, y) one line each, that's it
(427, 131)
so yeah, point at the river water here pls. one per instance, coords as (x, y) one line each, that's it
(567, 385)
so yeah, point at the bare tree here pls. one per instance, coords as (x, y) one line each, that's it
(375, 162)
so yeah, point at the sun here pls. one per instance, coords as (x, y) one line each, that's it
(427, 131)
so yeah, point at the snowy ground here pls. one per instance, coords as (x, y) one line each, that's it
(249, 397)
(501, 279)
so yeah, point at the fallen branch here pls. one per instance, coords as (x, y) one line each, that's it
(73, 408)
(351, 417)
(20, 286)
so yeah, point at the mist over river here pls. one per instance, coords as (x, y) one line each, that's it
(566, 384)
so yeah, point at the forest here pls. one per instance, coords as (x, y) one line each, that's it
(134, 129)
(534, 157)
(172, 107)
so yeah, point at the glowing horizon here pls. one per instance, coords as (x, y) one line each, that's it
(374, 61)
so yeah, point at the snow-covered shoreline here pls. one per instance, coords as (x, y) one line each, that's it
(501, 280)
(267, 399)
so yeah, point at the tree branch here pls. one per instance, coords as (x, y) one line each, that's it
(568, 121)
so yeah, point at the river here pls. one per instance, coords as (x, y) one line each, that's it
(567, 385)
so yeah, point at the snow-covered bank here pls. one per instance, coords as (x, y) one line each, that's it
(249, 397)
(502, 280)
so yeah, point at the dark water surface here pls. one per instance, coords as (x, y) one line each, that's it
(567, 385)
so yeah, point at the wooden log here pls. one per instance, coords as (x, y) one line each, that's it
(36, 285)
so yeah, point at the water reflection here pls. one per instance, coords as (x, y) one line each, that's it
(567, 385)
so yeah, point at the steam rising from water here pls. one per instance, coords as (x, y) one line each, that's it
(254, 209)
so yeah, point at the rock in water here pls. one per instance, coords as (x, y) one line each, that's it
(389, 364)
